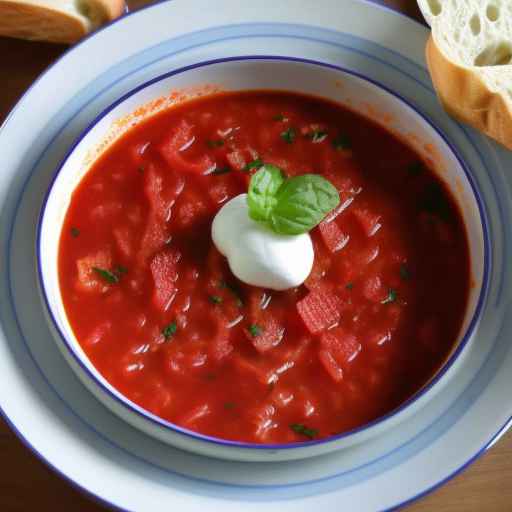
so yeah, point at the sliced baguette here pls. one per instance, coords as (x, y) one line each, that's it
(469, 55)
(60, 21)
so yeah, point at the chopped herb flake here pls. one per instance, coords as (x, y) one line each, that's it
(341, 142)
(390, 298)
(405, 273)
(229, 405)
(215, 299)
(255, 330)
(317, 136)
(279, 117)
(349, 286)
(305, 431)
(106, 275)
(416, 168)
(288, 135)
(235, 291)
(255, 164)
(75, 232)
(436, 203)
(215, 143)
(119, 270)
(169, 330)
(140, 169)
(221, 170)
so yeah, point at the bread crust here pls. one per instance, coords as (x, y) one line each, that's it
(111, 9)
(466, 96)
(33, 20)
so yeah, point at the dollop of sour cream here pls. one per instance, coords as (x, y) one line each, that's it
(257, 255)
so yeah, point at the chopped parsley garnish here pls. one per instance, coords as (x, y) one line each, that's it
(416, 168)
(215, 143)
(106, 275)
(341, 142)
(349, 286)
(235, 291)
(435, 202)
(169, 330)
(75, 232)
(288, 135)
(113, 276)
(140, 169)
(254, 330)
(255, 164)
(229, 405)
(317, 136)
(299, 428)
(279, 117)
(405, 273)
(215, 299)
(390, 298)
(221, 170)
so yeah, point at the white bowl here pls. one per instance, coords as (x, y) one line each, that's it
(244, 73)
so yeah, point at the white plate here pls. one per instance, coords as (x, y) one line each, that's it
(54, 414)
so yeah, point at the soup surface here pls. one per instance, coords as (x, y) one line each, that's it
(158, 312)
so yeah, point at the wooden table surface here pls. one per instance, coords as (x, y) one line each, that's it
(26, 484)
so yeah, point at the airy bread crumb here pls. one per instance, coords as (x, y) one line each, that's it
(469, 55)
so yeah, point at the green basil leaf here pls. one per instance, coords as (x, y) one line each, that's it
(263, 187)
(301, 203)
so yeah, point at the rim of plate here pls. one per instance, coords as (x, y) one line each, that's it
(146, 415)
(477, 450)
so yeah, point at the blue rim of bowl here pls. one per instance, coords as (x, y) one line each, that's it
(155, 420)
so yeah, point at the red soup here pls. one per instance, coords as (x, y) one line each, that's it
(158, 312)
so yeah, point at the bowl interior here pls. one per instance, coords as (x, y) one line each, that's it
(342, 86)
